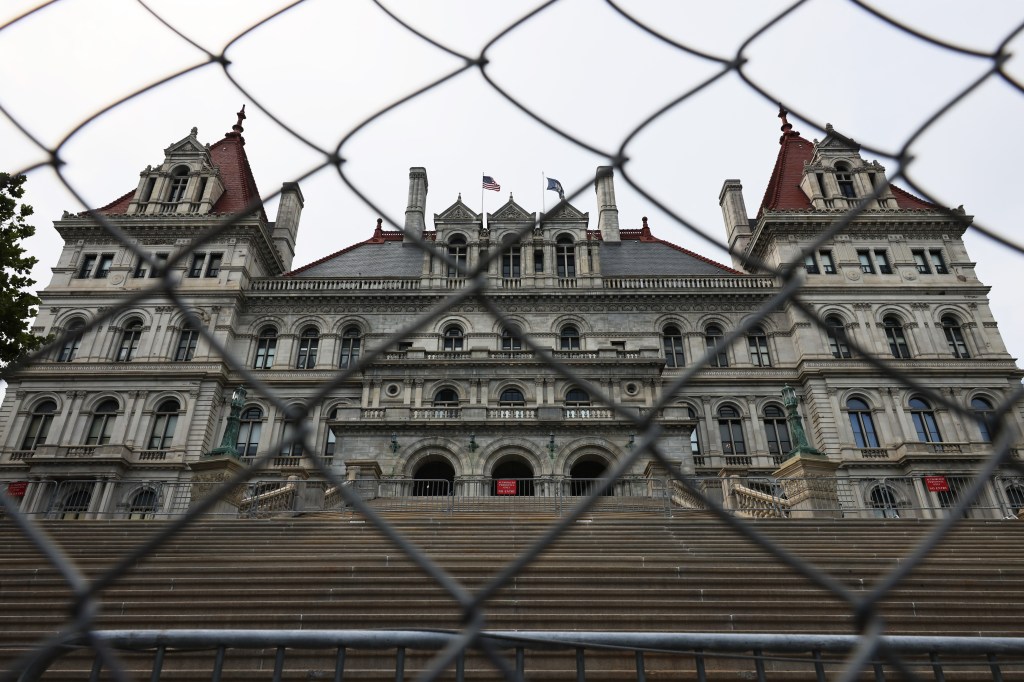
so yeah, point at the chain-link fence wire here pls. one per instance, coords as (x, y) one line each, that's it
(87, 600)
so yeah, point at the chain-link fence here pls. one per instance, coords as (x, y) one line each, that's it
(753, 497)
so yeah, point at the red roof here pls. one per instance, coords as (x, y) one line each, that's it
(228, 155)
(784, 193)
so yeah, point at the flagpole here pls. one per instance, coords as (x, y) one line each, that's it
(543, 190)
(483, 213)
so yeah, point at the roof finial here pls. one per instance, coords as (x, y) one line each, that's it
(238, 125)
(787, 127)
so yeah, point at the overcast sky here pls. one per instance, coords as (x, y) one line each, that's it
(325, 67)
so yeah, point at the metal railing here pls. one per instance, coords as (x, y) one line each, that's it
(631, 656)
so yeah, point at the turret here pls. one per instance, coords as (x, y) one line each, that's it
(286, 227)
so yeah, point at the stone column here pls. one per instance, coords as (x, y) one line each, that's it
(810, 485)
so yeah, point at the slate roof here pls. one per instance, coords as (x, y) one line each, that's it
(783, 192)
(638, 254)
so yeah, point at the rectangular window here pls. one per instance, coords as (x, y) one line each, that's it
(106, 260)
(810, 265)
(865, 262)
(882, 261)
(938, 263)
(828, 265)
(161, 259)
(213, 267)
(88, 263)
(921, 263)
(196, 269)
(538, 261)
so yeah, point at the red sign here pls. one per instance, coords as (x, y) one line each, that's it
(17, 488)
(506, 487)
(936, 484)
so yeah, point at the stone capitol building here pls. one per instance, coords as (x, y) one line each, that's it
(108, 422)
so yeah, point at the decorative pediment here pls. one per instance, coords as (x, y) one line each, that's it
(457, 213)
(187, 150)
(511, 212)
(836, 142)
(566, 213)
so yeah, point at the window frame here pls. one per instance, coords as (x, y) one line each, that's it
(896, 337)
(952, 329)
(250, 429)
(453, 339)
(565, 257)
(862, 423)
(757, 345)
(925, 422)
(309, 346)
(87, 266)
(70, 348)
(101, 426)
(776, 430)
(39, 424)
(188, 340)
(458, 251)
(351, 346)
(672, 346)
(131, 335)
(713, 334)
(266, 348)
(164, 424)
(730, 430)
(569, 338)
(828, 263)
(838, 340)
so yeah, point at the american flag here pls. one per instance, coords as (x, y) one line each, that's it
(489, 183)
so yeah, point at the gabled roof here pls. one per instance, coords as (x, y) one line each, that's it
(228, 155)
(783, 192)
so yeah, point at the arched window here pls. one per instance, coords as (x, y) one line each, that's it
(777, 431)
(982, 410)
(672, 341)
(309, 342)
(457, 254)
(266, 348)
(511, 338)
(511, 260)
(512, 397)
(39, 425)
(835, 330)
(577, 397)
(291, 443)
(695, 448)
(453, 339)
(331, 441)
(712, 339)
(884, 502)
(757, 342)
(165, 419)
(102, 425)
(179, 181)
(75, 504)
(1015, 497)
(565, 257)
(862, 424)
(845, 181)
(895, 336)
(130, 340)
(446, 397)
(569, 338)
(187, 341)
(351, 341)
(731, 430)
(143, 504)
(250, 425)
(70, 348)
(954, 337)
(924, 421)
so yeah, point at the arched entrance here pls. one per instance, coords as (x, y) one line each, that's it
(433, 478)
(584, 473)
(512, 470)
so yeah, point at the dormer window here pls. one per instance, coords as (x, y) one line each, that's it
(179, 181)
(845, 181)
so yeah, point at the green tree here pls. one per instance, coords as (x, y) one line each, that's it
(17, 306)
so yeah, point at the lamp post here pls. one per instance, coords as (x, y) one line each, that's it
(229, 443)
(797, 434)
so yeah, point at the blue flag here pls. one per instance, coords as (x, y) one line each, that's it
(556, 186)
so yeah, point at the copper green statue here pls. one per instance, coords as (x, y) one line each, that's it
(797, 434)
(229, 443)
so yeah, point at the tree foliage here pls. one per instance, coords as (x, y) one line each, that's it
(17, 306)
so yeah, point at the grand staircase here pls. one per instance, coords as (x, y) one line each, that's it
(608, 572)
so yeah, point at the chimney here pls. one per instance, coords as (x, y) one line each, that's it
(415, 222)
(607, 211)
(734, 213)
(286, 227)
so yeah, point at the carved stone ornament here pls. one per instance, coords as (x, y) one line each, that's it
(853, 275)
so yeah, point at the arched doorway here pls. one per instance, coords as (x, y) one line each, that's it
(435, 477)
(584, 473)
(509, 470)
